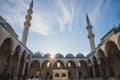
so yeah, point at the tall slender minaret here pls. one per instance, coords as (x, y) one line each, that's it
(27, 24)
(90, 34)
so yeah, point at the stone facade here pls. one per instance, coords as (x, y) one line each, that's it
(14, 56)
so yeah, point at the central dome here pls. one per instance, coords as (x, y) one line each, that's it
(69, 55)
(59, 55)
(80, 55)
(47, 55)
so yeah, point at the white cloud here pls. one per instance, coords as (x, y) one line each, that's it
(67, 15)
(96, 11)
(40, 26)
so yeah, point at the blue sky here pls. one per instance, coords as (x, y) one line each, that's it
(59, 26)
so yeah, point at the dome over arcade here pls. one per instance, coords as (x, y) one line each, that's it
(47, 55)
(80, 55)
(37, 55)
(69, 55)
(59, 55)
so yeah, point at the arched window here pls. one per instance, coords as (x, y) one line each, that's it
(48, 64)
(56, 75)
(58, 64)
(69, 64)
(63, 75)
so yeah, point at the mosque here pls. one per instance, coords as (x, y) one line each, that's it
(17, 61)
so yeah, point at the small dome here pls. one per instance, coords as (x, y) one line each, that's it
(69, 55)
(47, 55)
(37, 55)
(59, 55)
(80, 55)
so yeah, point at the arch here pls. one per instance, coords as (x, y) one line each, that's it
(63, 75)
(111, 48)
(57, 75)
(46, 64)
(15, 60)
(34, 68)
(82, 69)
(58, 65)
(100, 53)
(112, 53)
(6, 51)
(7, 45)
(72, 64)
(17, 50)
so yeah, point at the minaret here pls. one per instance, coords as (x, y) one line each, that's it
(90, 34)
(27, 24)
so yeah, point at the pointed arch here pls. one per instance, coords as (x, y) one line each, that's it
(71, 64)
(112, 53)
(58, 65)
(34, 68)
(46, 64)
(6, 50)
(82, 69)
(15, 60)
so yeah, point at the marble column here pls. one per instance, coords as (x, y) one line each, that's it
(17, 67)
(24, 65)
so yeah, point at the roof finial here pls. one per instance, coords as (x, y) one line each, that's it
(87, 19)
(31, 4)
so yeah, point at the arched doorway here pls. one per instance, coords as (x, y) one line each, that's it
(34, 69)
(6, 56)
(15, 61)
(46, 71)
(72, 70)
(82, 69)
(58, 65)
(112, 53)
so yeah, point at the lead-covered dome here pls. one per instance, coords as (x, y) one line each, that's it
(47, 55)
(69, 55)
(59, 55)
(80, 55)
(37, 55)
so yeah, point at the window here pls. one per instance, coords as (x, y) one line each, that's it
(63, 75)
(69, 64)
(58, 64)
(56, 75)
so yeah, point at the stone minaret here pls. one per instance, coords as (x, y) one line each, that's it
(90, 34)
(27, 24)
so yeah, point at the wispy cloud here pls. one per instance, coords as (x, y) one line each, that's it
(40, 26)
(67, 15)
(96, 11)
